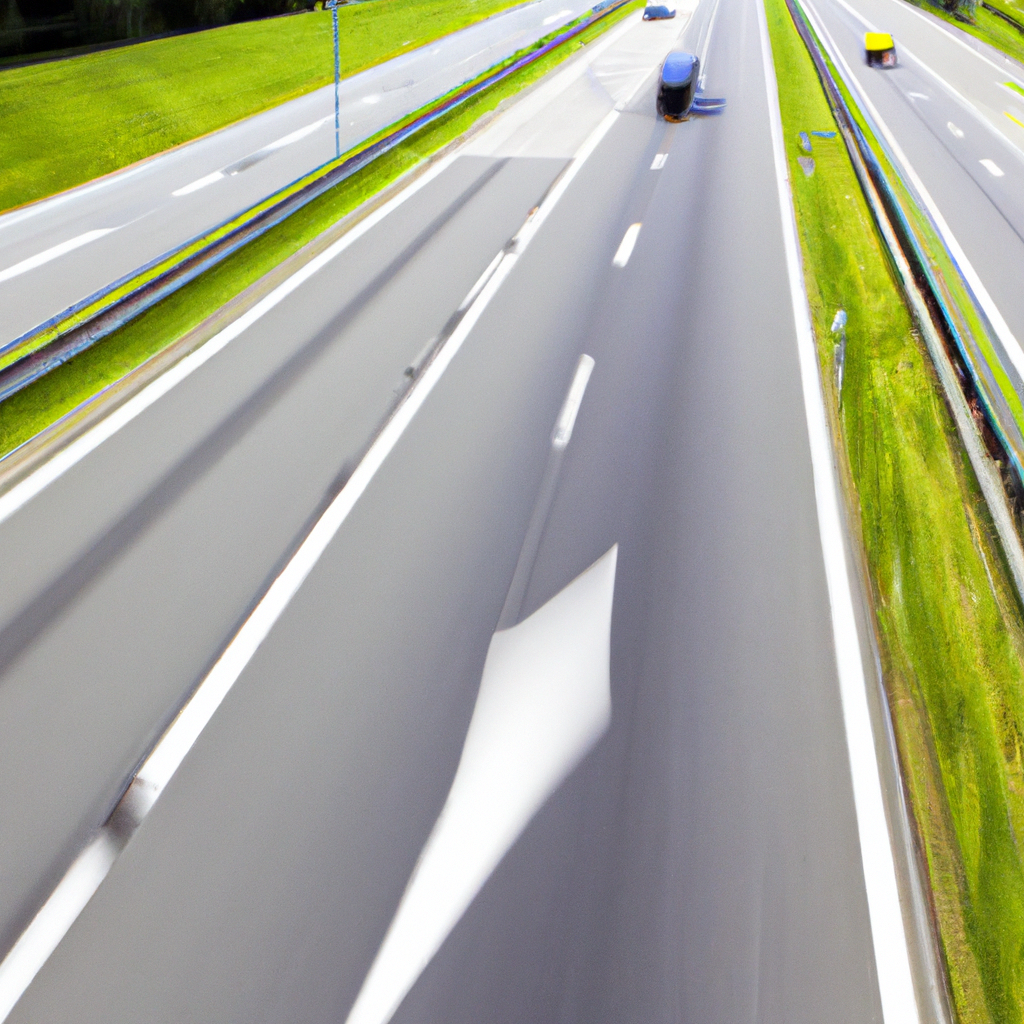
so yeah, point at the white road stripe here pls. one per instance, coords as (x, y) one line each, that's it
(958, 132)
(625, 249)
(571, 407)
(992, 167)
(892, 958)
(58, 914)
(199, 183)
(51, 254)
(659, 161)
(550, 20)
(295, 136)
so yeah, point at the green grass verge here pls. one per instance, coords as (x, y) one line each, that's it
(949, 624)
(67, 122)
(26, 413)
(1014, 8)
(987, 26)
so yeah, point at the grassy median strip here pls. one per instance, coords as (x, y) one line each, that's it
(69, 121)
(949, 623)
(26, 413)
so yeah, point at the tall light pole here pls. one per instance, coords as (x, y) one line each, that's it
(333, 5)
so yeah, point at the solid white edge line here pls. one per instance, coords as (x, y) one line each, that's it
(54, 252)
(625, 249)
(892, 957)
(56, 467)
(1006, 337)
(58, 914)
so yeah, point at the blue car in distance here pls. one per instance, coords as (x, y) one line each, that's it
(658, 12)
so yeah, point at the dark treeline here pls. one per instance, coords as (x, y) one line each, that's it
(38, 26)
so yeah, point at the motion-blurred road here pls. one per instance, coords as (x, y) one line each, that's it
(58, 251)
(702, 863)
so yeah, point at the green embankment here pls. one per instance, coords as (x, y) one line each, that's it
(69, 121)
(949, 624)
(26, 413)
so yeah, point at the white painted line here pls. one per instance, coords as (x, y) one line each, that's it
(571, 407)
(892, 958)
(199, 183)
(295, 136)
(371, 99)
(625, 249)
(659, 161)
(551, 19)
(918, 96)
(38, 941)
(1009, 342)
(480, 282)
(958, 132)
(54, 253)
(992, 167)
(544, 702)
(706, 42)
(67, 901)
(56, 467)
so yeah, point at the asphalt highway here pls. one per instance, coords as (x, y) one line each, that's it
(58, 251)
(951, 109)
(702, 862)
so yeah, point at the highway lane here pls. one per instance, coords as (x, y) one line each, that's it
(110, 615)
(702, 863)
(946, 106)
(122, 221)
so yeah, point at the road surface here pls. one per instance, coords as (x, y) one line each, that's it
(702, 862)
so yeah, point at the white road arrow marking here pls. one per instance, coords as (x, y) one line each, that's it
(544, 701)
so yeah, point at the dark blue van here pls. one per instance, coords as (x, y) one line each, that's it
(679, 76)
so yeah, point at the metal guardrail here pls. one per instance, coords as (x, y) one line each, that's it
(37, 352)
(952, 305)
(1002, 14)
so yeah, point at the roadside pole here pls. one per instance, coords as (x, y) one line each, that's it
(333, 5)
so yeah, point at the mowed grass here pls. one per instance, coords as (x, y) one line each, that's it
(69, 121)
(1014, 8)
(949, 623)
(28, 412)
